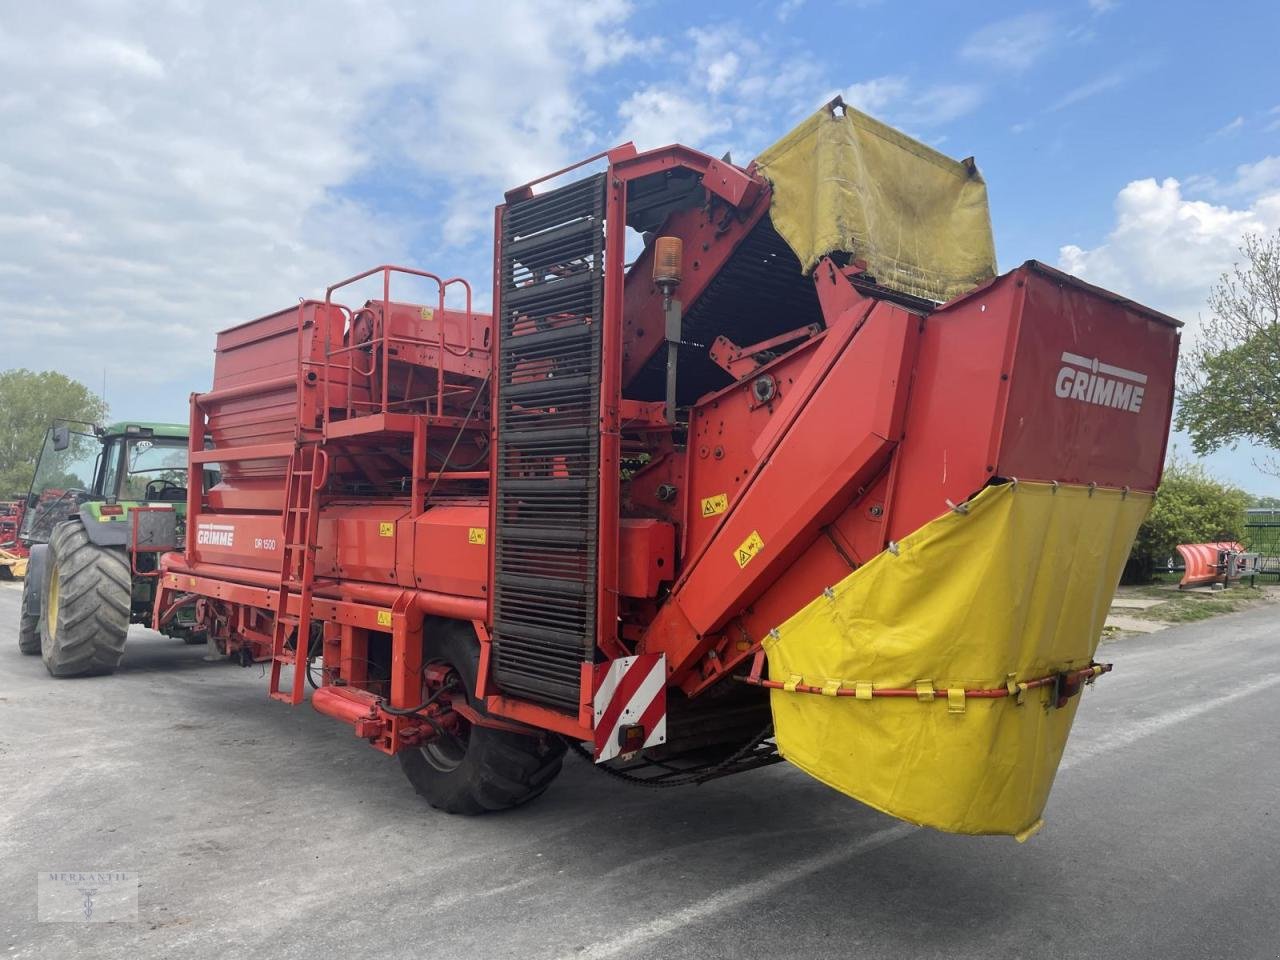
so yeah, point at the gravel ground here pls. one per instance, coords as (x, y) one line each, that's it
(261, 831)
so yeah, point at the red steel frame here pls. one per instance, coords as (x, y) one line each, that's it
(872, 407)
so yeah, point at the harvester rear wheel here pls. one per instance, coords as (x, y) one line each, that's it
(86, 604)
(481, 769)
(29, 624)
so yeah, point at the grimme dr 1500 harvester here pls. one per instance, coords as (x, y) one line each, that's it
(806, 481)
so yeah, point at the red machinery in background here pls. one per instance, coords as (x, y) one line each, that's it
(582, 518)
(1209, 563)
(11, 512)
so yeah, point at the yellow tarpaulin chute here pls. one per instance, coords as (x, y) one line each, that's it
(843, 181)
(1015, 587)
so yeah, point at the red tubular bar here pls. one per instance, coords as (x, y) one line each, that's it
(428, 602)
(344, 703)
(244, 390)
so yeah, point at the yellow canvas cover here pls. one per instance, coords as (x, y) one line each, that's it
(1014, 588)
(843, 181)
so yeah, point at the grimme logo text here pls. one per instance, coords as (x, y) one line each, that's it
(1091, 380)
(216, 534)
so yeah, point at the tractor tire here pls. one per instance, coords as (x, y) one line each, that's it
(85, 616)
(28, 624)
(483, 770)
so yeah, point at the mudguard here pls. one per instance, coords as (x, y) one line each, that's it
(36, 565)
(111, 533)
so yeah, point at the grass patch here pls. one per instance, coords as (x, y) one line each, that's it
(1175, 612)
(1188, 607)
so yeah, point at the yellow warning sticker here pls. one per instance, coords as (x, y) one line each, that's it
(749, 548)
(712, 506)
(427, 313)
(384, 618)
(386, 529)
(476, 535)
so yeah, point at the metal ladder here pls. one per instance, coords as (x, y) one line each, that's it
(297, 569)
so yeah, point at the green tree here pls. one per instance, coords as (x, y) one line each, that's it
(1230, 388)
(29, 401)
(1190, 507)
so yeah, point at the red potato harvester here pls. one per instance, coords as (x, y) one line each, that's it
(772, 491)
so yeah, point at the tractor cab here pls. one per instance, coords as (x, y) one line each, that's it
(101, 474)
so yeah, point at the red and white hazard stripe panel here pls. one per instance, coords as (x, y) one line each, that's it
(630, 704)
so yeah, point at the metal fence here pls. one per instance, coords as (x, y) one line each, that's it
(1262, 536)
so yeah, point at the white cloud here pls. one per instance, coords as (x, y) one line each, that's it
(787, 9)
(727, 92)
(655, 117)
(895, 100)
(942, 103)
(1166, 250)
(1101, 84)
(1102, 6)
(1012, 44)
(1249, 180)
(876, 95)
(1228, 129)
(1252, 178)
(166, 173)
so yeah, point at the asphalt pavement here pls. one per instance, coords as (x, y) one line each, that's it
(263, 831)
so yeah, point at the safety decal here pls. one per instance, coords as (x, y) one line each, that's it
(384, 618)
(748, 549)
(630, 705)
(713, 506)
(427, 313)
(476, 535)
(386, 529)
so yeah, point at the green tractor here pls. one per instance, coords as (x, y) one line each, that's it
(104, 504)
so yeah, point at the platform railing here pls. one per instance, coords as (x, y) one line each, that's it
(381, 340)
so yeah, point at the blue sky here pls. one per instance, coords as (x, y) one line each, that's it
(171, 169)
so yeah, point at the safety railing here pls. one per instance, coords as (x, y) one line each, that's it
(380, 343)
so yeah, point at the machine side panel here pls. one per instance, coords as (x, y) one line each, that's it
(839, 442)
(956, 396)
(1091, 391)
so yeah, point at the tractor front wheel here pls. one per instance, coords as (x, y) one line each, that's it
(86, 604)
(480, 769)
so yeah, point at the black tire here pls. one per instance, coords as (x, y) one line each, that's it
(485, 770)
(28, 623)
(85, 615)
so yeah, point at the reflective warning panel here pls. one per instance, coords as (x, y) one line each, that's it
(630, 705)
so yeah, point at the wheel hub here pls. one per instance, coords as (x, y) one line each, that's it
(447, 751)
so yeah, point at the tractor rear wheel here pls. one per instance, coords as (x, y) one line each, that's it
(86, 604)
(481, 769)
(29, 623)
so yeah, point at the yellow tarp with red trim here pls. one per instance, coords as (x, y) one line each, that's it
(1017, 586)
